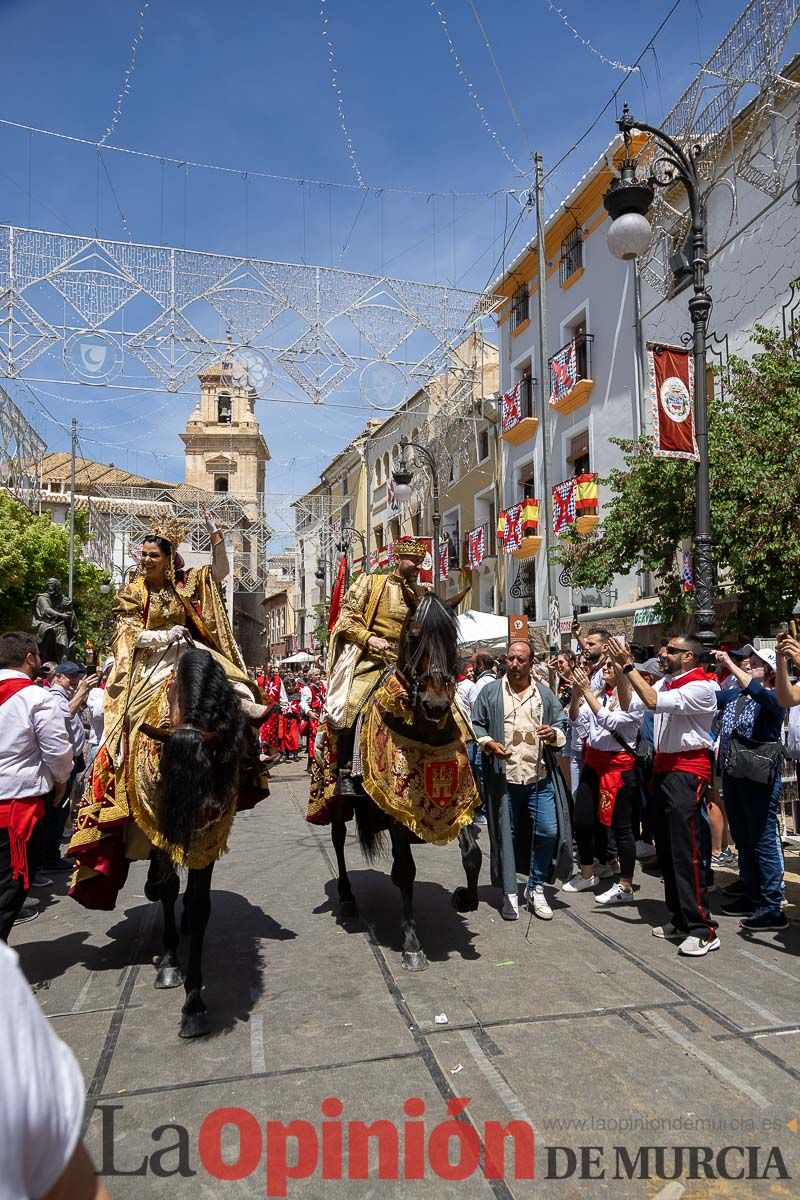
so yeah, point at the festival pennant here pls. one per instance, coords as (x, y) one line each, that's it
(563, 372)
(510, 407)
(563, 505)
(671, 372)
(476, 547)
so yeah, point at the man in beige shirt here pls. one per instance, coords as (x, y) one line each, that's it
(518, 722)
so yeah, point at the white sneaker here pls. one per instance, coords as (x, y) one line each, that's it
(645, 850)
(615, 895)
(579, 884)
(537, 898)
(510, 909)
(696, 947)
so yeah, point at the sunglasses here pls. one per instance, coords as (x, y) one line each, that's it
(518, 738)
(676, 650)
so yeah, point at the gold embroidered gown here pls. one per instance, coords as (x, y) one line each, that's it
(117, 821)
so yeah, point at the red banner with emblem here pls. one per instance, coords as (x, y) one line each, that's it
(671, 372)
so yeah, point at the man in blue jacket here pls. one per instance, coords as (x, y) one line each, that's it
(518, 724)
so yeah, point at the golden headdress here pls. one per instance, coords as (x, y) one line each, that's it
(169, 528)
(410, 547)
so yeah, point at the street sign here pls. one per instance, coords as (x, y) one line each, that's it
(517, 627)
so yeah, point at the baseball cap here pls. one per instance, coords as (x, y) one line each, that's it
(651, 667)
(769, 657)
(743, 651)
(69, 668)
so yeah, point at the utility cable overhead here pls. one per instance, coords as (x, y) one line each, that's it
(472, 92)
(614, 94)
(185, 163)
(506, 93)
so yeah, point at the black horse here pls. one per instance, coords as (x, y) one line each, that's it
(426, 667)
(210, 753)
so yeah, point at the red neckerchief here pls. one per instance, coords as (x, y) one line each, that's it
(10, 687)
(690, 677)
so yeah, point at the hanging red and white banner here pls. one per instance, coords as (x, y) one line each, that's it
(475, 547)
(671, 371)
(510, 407)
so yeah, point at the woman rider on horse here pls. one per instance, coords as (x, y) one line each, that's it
(164, 609)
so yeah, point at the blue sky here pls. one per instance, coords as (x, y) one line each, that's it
(247, 84)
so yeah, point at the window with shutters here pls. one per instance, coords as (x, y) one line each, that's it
(578, 457)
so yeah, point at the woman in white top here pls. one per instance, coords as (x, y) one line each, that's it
(607, 796)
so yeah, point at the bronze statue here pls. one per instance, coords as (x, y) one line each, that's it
(55, 624)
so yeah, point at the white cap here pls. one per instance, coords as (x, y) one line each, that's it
(767, 656)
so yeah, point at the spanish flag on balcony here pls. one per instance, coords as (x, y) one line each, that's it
(585, 495)
(501, 527)
(530, 518)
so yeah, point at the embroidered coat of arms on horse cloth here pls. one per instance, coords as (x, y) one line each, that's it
(429, 789)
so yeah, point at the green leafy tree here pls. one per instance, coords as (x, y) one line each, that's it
(754, 466)
(33, 550)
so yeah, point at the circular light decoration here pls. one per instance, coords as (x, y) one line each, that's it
(252, 369)
(383, 385)
(93, 356)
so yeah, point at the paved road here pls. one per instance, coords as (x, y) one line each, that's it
(586, 1028)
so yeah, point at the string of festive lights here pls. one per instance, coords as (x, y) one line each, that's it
(190, 164)
(351, 153)
(493, 134)
(618, 66)
(128, 76)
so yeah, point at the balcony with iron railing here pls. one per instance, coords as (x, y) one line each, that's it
(570, 370)
(517, 421)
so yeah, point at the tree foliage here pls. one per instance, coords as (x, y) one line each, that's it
(33, 550)
(754, 466)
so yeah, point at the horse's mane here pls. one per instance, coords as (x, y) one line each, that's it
(429, 631)
(200, 773)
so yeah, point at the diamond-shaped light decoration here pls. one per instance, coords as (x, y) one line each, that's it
(246, 301)
(383, 319)
(172, 349)
(95, 285)
(24, 335)
(317, 363)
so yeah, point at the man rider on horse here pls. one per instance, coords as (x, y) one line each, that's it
(363, 641)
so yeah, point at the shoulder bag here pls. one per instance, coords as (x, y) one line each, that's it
(749, 759)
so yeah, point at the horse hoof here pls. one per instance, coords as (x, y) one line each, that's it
(348, 908)
(414, 960)
(194, 1024)
(463, 901)
(169, 977)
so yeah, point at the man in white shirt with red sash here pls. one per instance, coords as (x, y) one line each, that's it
(35, 756)
(684, 703)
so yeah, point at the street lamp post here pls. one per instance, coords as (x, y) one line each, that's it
(402, 477)
(627, 202)
(346, 536)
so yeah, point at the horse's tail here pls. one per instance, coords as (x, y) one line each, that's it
(371, 838)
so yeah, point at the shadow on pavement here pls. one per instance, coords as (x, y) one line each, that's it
(442, 931)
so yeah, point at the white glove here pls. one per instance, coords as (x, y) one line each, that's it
(176, 633)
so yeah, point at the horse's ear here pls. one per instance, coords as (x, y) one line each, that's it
(454, 601)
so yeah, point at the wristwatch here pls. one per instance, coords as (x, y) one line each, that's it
(626, 670)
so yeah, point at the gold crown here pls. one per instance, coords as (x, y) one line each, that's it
(409, 547)
(171, 529)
